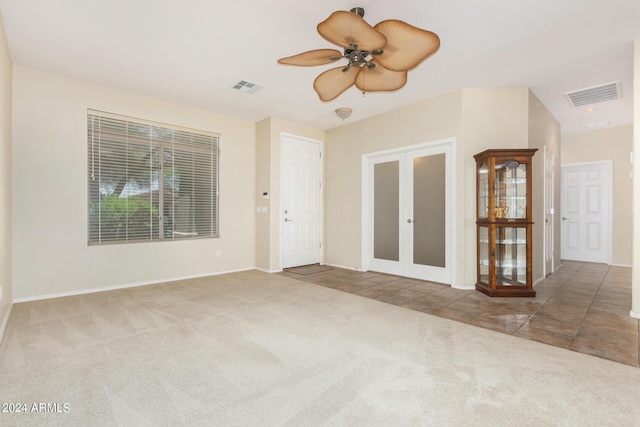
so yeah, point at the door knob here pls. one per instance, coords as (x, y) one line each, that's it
(287, 220)
(564, 218)
(410, 221)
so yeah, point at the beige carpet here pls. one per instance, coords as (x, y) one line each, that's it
(258, 349)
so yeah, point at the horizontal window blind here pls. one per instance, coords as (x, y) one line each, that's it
(150, 181)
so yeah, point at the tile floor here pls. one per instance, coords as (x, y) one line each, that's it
(582, 307)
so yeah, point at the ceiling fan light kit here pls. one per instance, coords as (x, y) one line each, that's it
(343, 112)
(378, 58)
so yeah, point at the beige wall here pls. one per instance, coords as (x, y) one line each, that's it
(613, 144)
(544, 132)
(426, 121)
(263, 184)
(491, 118)
(5, 180)
(478, 118)
(50, 252)
(268, 154)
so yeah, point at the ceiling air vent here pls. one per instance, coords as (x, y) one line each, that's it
(248, 87)
(595, 94)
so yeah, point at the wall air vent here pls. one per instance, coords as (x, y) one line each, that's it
(595, 94)
(247, 86)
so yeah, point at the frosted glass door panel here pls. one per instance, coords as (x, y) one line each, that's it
(386, 212)
(429, 210)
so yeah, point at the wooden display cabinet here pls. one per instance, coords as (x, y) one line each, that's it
(504, 222)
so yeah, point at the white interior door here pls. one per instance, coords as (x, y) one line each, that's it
(549, 212)
(410, 213)
(301, 202)
(586, 212)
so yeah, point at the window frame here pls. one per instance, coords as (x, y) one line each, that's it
(157, 146)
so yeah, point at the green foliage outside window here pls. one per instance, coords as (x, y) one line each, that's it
(125, 217)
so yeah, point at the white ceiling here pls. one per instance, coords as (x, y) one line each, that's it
(194, 51)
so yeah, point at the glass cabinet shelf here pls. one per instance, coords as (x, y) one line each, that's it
(506, 242)
(504, 222)
(505, 264)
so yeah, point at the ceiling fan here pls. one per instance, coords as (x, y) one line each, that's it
(378, 57)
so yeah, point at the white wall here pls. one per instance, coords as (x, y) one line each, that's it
(5, 180)
(50, 251)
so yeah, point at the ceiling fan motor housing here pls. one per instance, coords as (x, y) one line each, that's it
(358, 58)
(358, 11)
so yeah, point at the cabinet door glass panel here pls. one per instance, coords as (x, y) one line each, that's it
(483, 190)
(511, 256)
(386, 213)
(511, 190)
(483, 255)
(429, 210)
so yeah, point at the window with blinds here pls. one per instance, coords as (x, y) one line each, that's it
(150, 181)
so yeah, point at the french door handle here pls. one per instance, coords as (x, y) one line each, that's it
(410, 221)
(287, 220)
(564, 218)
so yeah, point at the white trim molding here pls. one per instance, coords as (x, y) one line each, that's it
(5, 322)
(126, 285)
(344, 267)
(265, 270)
(634, 314)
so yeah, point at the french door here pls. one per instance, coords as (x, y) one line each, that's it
(409, 213)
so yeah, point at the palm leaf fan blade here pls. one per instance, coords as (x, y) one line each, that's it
(407, 46)
(380, 79)
(347, 28)
(333, 82)
(312, 57)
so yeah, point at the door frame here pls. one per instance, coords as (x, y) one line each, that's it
(549, 209)
(367, 199)
(280, 216)
(609, 166)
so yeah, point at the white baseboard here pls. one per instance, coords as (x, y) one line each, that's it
(5, 321)
(127, 285)
(265, 270)
(463, 287)
(537, 281)
(621, 265)
(634, 314)
(343, 266)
